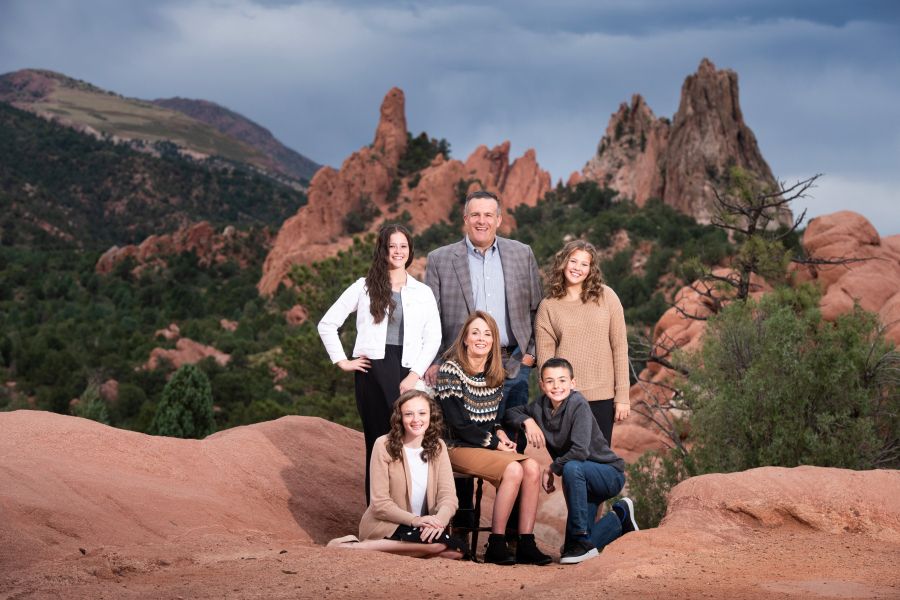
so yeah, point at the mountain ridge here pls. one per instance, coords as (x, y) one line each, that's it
(108, 115)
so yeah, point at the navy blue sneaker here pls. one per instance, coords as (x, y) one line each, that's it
(578, 551)
(624, 509)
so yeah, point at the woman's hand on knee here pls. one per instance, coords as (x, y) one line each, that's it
(505, 445)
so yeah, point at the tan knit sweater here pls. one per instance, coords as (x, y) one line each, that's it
(593, 338)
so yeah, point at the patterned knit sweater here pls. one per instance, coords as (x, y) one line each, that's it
(591, 336)
(470, 407)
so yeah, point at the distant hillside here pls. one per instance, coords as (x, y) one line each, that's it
(285, 160)
(105, 114)
(61, 186)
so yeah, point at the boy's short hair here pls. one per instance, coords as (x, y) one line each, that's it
(557, 363)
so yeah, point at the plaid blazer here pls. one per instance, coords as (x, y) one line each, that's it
(447, 274)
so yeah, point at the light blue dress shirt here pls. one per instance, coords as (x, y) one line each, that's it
(488, 286)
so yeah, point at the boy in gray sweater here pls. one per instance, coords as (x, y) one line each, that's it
(591, 472)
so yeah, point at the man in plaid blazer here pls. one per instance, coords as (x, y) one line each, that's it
(449, 274)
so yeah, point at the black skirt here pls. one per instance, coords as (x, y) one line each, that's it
(405, 533)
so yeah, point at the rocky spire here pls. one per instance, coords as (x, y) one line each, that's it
(642, 156)
(390, 136)
(709, 136)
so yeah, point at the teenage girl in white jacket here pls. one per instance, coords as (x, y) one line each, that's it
(398, 332)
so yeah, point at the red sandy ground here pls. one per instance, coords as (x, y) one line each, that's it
(88, 511)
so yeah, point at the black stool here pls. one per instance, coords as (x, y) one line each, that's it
(470, 531)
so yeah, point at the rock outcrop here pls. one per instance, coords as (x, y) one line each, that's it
(185, 352)
(630, 153)
(369, 179)
(90, 511)
(873, 283)
(682, 162)
(200, 238)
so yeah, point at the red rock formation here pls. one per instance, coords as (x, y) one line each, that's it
(644, 157)
(629, 155)
(186, 352)
(317, 230)
(90, 511)
(200, 238)
(172, 332)
(874, 283)
(802, 498)
(296, 315)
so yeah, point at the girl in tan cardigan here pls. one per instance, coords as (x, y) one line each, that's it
(582, 320)
(412, 492)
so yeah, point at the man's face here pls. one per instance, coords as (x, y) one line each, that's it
(557, 383)
(482, 220)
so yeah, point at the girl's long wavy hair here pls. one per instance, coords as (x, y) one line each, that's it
(493, 368)
(378, 282)
(591, 287)
(431, 443)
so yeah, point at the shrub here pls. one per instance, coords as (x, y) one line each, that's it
(777, 385)
(185, 410)
(651, 478)
(91, 406)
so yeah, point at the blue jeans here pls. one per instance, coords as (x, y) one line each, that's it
(515, 390)
(515, 393)
(586, 485)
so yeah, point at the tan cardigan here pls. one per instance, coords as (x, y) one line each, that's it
(591, 336)
(390, 483)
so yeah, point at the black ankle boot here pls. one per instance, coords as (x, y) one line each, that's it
(527, 552)
(497, 551)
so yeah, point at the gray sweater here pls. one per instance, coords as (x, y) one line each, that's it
(572, 433)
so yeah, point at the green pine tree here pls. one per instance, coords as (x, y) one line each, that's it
(186, 408)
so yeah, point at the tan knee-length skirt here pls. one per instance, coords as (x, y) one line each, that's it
(483, 462)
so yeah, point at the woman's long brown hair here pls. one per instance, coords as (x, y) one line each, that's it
(591, 287)
(378, 282)
(431, 442)
(493, 368)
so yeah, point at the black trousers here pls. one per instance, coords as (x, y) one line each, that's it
(605, 413)
(375, 395)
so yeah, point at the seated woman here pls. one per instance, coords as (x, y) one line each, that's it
(412, 492)
(470, 389)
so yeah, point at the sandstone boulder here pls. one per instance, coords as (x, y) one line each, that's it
(90, 511)
(873, 283)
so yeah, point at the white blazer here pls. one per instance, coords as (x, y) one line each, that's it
(421, 325)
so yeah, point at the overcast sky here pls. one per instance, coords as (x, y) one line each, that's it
(819, 80)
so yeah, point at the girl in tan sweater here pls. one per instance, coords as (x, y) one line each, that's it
(582, 320)
(413, 495)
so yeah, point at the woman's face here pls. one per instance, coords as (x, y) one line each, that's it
(398, 251)
(416, 416)
(479, 339)
(577, 267)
